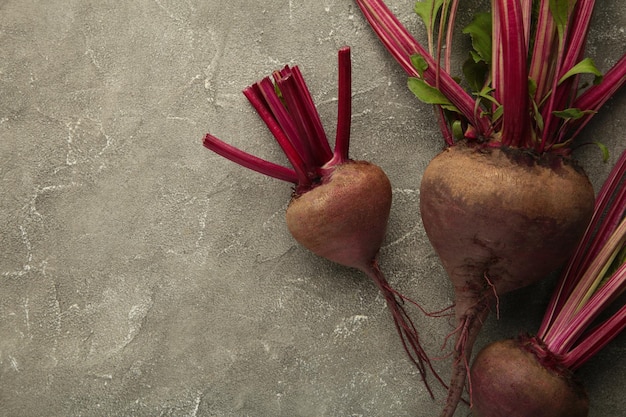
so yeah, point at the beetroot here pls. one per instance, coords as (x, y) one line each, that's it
(494, 231)
(534, 376)
(518, 378)
(340, 207)
(323, 221)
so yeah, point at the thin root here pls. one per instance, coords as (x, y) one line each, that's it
(446, 312)
(405, 327)
(495, 294)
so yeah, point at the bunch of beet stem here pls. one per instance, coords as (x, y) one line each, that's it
(504, 204)
(340, 207)
(534, 376)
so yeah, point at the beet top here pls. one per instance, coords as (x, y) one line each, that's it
(525, 75)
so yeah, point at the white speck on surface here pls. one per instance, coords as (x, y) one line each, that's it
(348, 326)
(14, 364)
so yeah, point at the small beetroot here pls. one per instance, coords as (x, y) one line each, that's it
(340, 207)
(517, 378)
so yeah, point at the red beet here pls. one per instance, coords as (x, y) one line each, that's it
(533, 376)
(496, 229)
(345, 218)
(520, 378)
(340, 207)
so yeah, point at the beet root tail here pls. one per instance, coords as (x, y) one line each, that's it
(470, 321)
(404, 325)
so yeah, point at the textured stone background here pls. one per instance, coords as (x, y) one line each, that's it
(141, 275)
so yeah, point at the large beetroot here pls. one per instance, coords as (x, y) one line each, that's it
(495, 230)
(534, 376)
(340, 207)
(503, 205)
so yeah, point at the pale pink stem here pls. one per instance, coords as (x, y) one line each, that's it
(541, 66)
(571, 331)
(497, 72)
(516, 119)
(596, 340)
(609, 209)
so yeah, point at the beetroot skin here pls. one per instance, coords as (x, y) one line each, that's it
(345, 218)
(499, 219)
(503, 215)
(519, 378)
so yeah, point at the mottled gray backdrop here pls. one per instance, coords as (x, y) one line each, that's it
(142, 275)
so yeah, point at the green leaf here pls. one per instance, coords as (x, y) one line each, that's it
(475, 56)
(429, 94)
(571, 113)
(427, 10)
(475, 73)
(485, 93)
(532, 87)
(603, 149)
(586, 66)
(537, 115)
(419, 63)
(498, 113)
(457, 129)
(561, 10)
(480, 32)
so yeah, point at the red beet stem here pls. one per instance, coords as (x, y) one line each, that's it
(451, 17)
(265, 111)
(304, 116)
(595, 96)
(404, 325)
(565, 92)
(301, 132)
(344, 107)
(284, 109)
(592, 281)
(541, 68)
(514, 90)
(320, 141)
(609, 210)
(402, 45)
(586, 300)
(249, 161)
(596, 340)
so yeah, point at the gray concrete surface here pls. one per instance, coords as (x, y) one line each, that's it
(141, 275)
